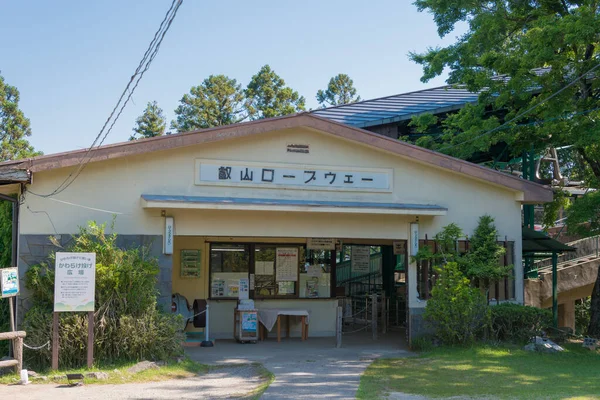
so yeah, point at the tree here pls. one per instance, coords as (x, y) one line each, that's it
(340, 90)
(519, 54)
(14, 130)
(14, 127)
(482, 262)
(151, 123)
(268, 97)
(217, 101)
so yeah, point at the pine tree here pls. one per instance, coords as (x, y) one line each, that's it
(150, 124)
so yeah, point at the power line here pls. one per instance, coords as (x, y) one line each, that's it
(143, 66)
(527, 111)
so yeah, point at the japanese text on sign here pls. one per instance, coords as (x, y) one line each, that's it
(74, 282)
(230, 173)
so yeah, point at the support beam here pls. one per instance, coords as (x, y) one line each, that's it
(554, 290)
(14, 176)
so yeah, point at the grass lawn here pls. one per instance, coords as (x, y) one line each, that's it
(118, 373)
(501, 372)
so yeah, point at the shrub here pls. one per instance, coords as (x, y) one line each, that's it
(517, 323)
(582, 315)
(456, 311)
(128, 324)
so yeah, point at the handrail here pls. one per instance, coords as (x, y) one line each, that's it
(586, 247)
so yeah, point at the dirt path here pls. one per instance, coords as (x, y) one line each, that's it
(223, 383)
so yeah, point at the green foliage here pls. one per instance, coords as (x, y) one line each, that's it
(14, 127)
(268, 97)
(423, 122)
(5, 233)
(457, 312)
(151, 123)
(582, 315)
(217, 101)
(340, 90)
(422, 343)
(583, 215)
(128, 324)
(447, 241)
(552, 209)
(482, 260)
(517, 323)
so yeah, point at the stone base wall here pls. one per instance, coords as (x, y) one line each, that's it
(416, 324)
(35, 249)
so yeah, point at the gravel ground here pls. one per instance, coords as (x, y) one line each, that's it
(222, 383)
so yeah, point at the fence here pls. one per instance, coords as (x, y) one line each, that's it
(588, 247)
(17, 343)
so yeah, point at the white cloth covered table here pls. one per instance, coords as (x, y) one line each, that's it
(268, 316)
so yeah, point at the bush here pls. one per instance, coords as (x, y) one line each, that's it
(456, 311)
(582, 315)
(517, 323)
(128, 324)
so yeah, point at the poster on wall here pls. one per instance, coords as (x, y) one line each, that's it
(74, 282)
(264, 267)
(360, 257)
(9, 282)
(218, 288)
(312, 288)
(244, 290)
(314, 271)
(286, 259)
(249, 322)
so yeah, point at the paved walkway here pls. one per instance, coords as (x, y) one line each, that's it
(225, 383)
(314, 369)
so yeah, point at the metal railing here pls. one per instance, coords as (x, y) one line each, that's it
(587, 247)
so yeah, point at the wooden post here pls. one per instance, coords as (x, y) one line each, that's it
(374, 315)
(18, 352)
(338, 328)
(11, 307)
(90, 348)
(55, 344)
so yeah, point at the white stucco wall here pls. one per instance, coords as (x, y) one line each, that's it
(115, 186)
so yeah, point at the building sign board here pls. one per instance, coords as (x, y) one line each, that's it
(320, 244)
(414, 239)
(9, 282)
(74, 282)
(292, 176)
(169, 232)
(399, 248)
(360, 257)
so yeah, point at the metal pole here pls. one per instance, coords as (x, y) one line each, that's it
(374, 315)
(554, 290)
(207, 342)
(338, 333)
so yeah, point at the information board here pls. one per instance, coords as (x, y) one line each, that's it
(74, 282)
(286, 263)
(9, 282)
(360, 258)
(320, 244)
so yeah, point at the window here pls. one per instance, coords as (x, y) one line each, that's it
(276, 269)
(315, 276)
(228, 264)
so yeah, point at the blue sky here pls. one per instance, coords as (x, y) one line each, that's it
(71, 59)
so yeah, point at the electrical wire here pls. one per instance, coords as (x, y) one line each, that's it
(143, 66)
(527, 111)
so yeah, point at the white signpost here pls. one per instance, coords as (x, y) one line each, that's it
(74, 291)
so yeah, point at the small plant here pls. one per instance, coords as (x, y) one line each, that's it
(516, 323)
(422, 343)
(457, 311)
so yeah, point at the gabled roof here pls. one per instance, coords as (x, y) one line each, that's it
(532, 192)
(399, 107)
